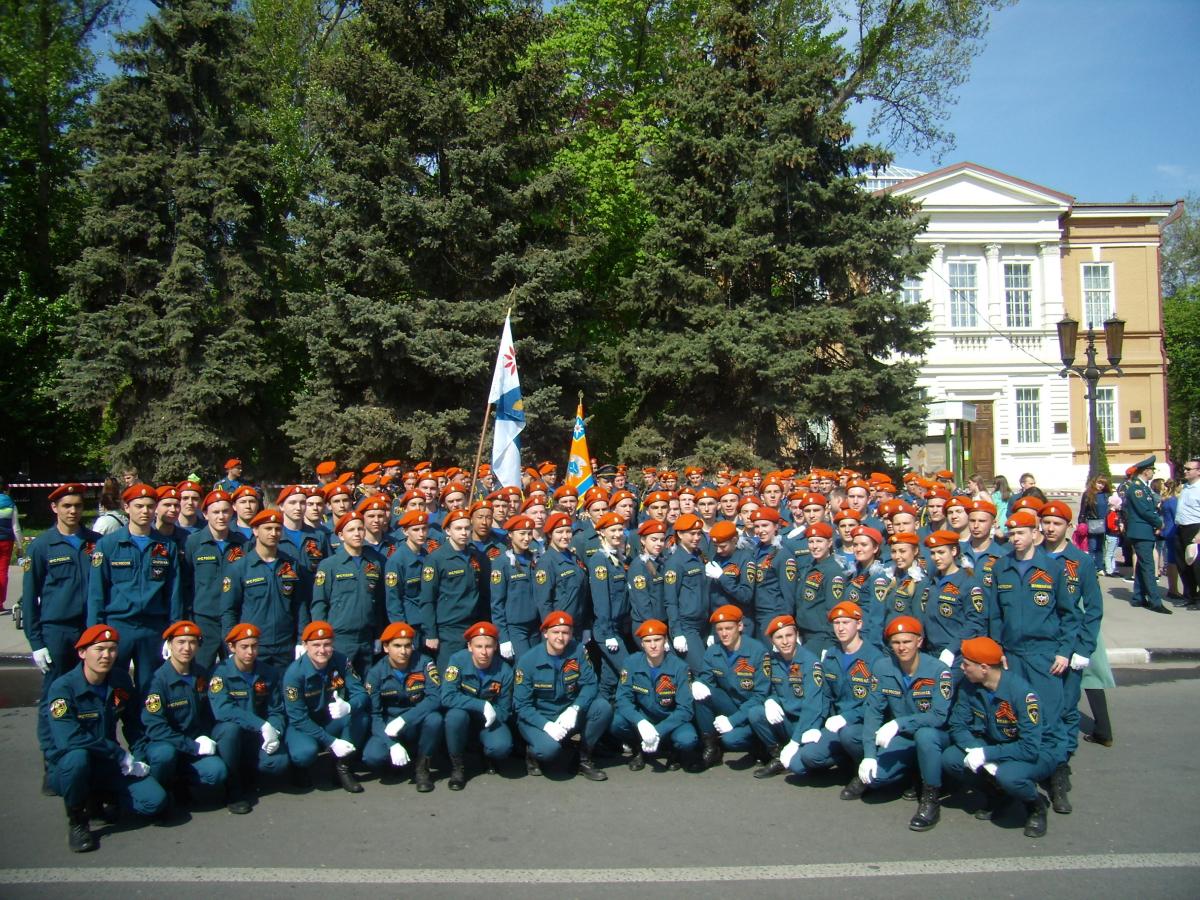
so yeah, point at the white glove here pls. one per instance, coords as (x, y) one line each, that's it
(991, 768)
(700, 691)
(489, 714)
(679, 643)
(947, 657)
(886, 732)
(507, 651)
(774, 711)
(611, 645)
(835, 723)
(713, 570)
(399, 755)
(205, 746)
(648, 732)
(341, 748)
(867, 770)
(41, 659)
(166, 650)
(722, 724)
(567, 718)
(270, 736)
(338, 708)
(974, 758)
(650, 746)
(299, 650)
(126, 763)
(811, 736)
(556, 731)
(708, 641)
(394, 727)
(138, 769)
(788, 753)
(1078, 663)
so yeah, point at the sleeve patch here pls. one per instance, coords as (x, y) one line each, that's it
(153, 703)
(58, 708)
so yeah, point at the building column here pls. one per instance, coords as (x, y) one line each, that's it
(939, 311)
(994, 285)
(1051, 309)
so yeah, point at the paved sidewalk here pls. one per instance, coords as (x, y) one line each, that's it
(1133, 637)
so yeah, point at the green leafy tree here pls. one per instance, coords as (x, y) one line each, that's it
(175, 287)
(1181, 326)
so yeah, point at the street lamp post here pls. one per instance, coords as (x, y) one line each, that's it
(1091, 372)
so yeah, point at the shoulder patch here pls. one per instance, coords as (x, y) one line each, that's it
(153, 703)
(601, 573)
(519, 677)
(624, 676)
(639, 582)
(293, 693)
(58, 708)
(671, 577)
(540, 576)
(392, 579)
(497, 577)
(320, 578)
(427, 573)
(97, 559)
(226, 585)
(451, 673)
(216, 685)
(434, 675)
(26, 564)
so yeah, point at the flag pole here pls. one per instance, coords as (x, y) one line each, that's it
(487, 413)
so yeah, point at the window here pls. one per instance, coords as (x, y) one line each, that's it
(964, 290)
(1018, 295)
(912, 289)
(1029, 415)
(1106, 414)
(1097, 294)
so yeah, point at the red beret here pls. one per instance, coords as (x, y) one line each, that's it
(847, 513)
(779, 622)
(328, 467)
(517, 523)
(244, 491)
(942, 539)
(765, 514)
(904, 537)
(182, 628)
(944, 473)
(136, 491)
(452, 488)
(867, 531)
(729, 490)
(565, 490)
(651, 627)
(693, 470)
(608, 520)
(986, 506)
(185, 485)
(241, 632)
(413, 517)
(657, 497)
(317, 631)
(456, 514)
(556, 618)
(97, 634)
(482, 629)
(726, 613)
(167, 492)
(345, 519)
(652, 526)
(370, 467)
(232, 462)
(982, 650)
(397, 630)
(217, 496)
(338, 488)
(902, 625)
(1022, 518)
(288, 491)
(1029, 502)
(845, 610)
(1056, 508)
(71, 487)
(708, 494)
(595, 495)
(723, 531)
(689, 522)
(937, 492)
(814, 499)
(557, 520)
(375, 503)
(819, 529)
(267, 517)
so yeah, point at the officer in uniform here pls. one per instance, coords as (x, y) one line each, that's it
(654, 702)
(796, 704)
(610, 602)
(477, 699)
(514, 609)
(135, 585)
(208, 556)
(405, 691)
(450, 589)
(560, 579)
(556, 694)
(686, 589)
(905, 720)
(233, 475)
(348, 593)
(645, 575)
(326, 706)
(177, 716)
(818, 584)
(1142, 525)
(996, 733)
(57, 565)
(85, 705)
(402, 573)
(246, 697)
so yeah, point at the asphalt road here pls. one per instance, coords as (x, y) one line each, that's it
(1133, 832)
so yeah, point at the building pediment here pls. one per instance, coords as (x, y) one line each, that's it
(967, 186)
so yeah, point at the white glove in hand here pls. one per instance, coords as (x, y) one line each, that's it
(991, 768)
(713, 570)
(394, 727)
(700, 691)
(708, 641)
(974, 758)
(341, 748)
(556, 731)
(650, 746)
(886, 732)
(338, 708)
(947, 657)
(299, 650)
(126, 763)
(811, 736)
(835, 723)
(399, 755)
(722, 724)
(611, 645)
(788, 753)
(1078, 663)
(679, 643)
(648, 732)
(138, 769)
(773, 711)
(867, 770)
(507, 651)
(205, 746)
(166, 650)
(270, 736)
(567, 718)
(41, 659)
(489, 714)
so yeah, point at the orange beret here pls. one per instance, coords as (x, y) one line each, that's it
(517, 523)
(242, 631)
(314, 631)
(943, 538)
(374, 503)
(217, 496)
(847, 513)
(982, 650)
(345, 519)
(231, 463)
(1022, 518)
(565, 490)
(937, 491)
(97, 634)
(136, 491)
(338, 488)
(652, 526)
(609, 519)
(413, 517)
(397, 630)
(814, 499)
(456, 514)
(556, 618)
(986, 506)
(557, 520)
(482, 629)
(657, 497)
(726, 613)
(902, 625)
(651, 627)
(765, 514)
(693, 470)
(595, 495)
(1029, 502)
(618, 496)
(391, 463)
(185, 485)
(904, 537)
(288, 491)
(267, 517)
(903, 506)
(71, 487)
(867, 531)
(328, 467)
(845, 610)
(182, 628)
(723, 531)
(370, 468)
(779, 622)
(819, 529)
(244, 491)
(688, 522)
(708, 494)
(452, 488)
(1056, 508)
(944, 473)
(373, 478)
(727, 491)
(964, 502)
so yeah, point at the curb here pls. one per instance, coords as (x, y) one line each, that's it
(1141, 656)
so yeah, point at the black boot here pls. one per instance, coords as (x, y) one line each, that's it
(103, 806)
(712, 751)
(913, 791)
(691, 760)
(1035, 822)
(79, 839)
(531, 763)
(341, 770)
(458, 773)
(992, 799)
(854, 790)
(672, 760)
(235, 799)
(928, 811)
(1060, 784)
(637, 762)
(772, 766)
(587, 768)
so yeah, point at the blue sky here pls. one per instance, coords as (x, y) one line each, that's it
(1095, 98)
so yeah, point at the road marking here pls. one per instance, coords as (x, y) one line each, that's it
(935, 867)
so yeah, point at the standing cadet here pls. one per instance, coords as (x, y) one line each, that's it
(246, 505)
(905, 721)
(233, 475)
(1142, 525)
(726, 571)
(348, 593)
(376, 512)
(405, 692)
(301, 541)
(686, 588)
(402, 573)
(645, 575)
(560, 580)
(265, 588)
(981, 551)
(654, 702)
(450, 595)
(208, 556)
(514, 609)
(734, 680)
(247, 704)
(996, 729)
(326, 706)
(818, 585)
(796, 704)
(477, 698)
(86, 760)
(610, 602)
(57, 566)
(954, 608)
(135, 585)
(869, 583)
(587, 541)
(768, 571)
(556, 694)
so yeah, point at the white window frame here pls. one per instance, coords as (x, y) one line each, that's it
(1109, 435)
(1040, 437)
(1027, 288)
(953, 307)
(912, 290)
(1084, 306)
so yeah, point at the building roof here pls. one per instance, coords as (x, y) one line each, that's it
(947, 171)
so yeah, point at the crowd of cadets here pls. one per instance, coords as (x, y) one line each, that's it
(818, 621)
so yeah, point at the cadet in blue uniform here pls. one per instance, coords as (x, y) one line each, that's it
(686, 589)
(869, 583)
(348, 593)
(645, 575)
(450, 595)
(177, 716)
(817, 584)
(976, 552)
(405, 691)
(954, 608)
(514, 609)
(233, 476)
(908, 588)
(246, 697)
(402, 573)
(586, 541)
(768, 570)
(796, 703)
(135, 585)
(268, 588)
(477, 698)
(654, 702)
(85, 706)
(996, 730)
(326, 706)
(727, 569)
(560, 579)
(610, 602)
(556, 694)
(1142, 525)
(208, 556)
(57, 566)
(305, 544)
(734, 680)
(905, 720)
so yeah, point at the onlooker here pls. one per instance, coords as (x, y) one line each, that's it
(1093, 511)
(1165, 548)
(1187, 532)
(978, 491)
(1001, 497)
(1113, 532)
(1029, 488)
(10, 535)
(111, 517)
